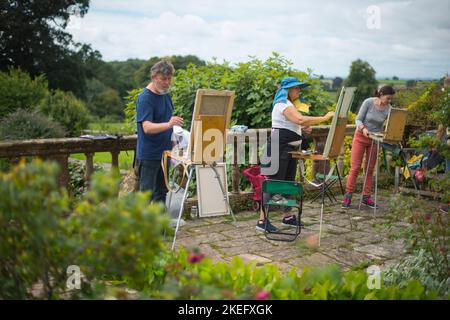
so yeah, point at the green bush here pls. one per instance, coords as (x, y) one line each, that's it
(119, 237)
(426, 237)
(254, 82)
(419, 266)
(66, 109)
(19, 91)
(33, 243)
(422, 113)
(25, 124)
(403, 98)
(43, 233)
(190, 275)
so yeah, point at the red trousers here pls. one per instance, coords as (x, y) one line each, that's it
(361, 146)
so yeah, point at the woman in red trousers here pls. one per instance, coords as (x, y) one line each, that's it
(371, 116)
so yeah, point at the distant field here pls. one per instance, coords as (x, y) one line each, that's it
(392, 82)
(113, 128)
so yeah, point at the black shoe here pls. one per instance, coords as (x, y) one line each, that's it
(265, 225)
(292, 221)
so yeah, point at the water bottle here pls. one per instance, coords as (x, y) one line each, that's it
(194, 212)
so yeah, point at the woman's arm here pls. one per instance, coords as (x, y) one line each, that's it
(362, 115)
(294, 116)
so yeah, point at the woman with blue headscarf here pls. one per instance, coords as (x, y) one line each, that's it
(287, 123)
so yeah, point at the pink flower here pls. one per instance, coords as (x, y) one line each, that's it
(262, 295)
(428, 217)
(195, 257)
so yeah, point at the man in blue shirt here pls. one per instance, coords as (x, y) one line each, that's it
(155, 120)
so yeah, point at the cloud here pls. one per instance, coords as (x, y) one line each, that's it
(413, 40)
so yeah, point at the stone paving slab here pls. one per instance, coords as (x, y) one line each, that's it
(350, 238)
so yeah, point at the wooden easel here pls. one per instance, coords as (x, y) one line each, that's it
(212, 113)
(333, 145)
(393, 134)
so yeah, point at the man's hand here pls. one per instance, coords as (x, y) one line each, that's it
(175, 121)
(307, 130)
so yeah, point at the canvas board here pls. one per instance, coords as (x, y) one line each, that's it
(336, 135)
(210, 198)
(395, 125)
(212, 110)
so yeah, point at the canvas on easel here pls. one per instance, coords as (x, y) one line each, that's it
(212, 113)
(336, 135)
(395, 125)
(210, 120)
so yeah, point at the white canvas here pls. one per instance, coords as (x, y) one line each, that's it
(210, 198)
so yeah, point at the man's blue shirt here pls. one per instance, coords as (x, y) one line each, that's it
(157, 109)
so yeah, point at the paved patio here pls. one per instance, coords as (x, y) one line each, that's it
(350, 238)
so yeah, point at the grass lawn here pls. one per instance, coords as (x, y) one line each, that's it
(125, 158)
(113, 128)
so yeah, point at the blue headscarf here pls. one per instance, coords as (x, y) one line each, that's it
(286, 83)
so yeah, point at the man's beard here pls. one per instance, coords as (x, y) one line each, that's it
(162, 90)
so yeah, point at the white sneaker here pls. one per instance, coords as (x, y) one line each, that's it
(173, 223)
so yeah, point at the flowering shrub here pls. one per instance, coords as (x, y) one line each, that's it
(427, 238)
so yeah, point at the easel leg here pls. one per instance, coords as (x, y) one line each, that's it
(224, 192)
(339, 177)
(366, 174)
(182, 206)
(323, 201)
(376, 178)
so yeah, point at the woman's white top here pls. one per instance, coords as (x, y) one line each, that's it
(280, 121)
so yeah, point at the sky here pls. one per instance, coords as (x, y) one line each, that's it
(407, 39)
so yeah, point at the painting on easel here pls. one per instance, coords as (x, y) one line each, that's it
(336, 135)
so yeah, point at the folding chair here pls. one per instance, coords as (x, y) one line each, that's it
(289, 188)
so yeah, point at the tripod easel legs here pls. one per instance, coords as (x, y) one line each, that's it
(376, 176)
(217, 176)
(191, 169)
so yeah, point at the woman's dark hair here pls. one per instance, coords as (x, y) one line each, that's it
(384, 90)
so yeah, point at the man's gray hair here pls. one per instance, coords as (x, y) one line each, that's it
(163, 67)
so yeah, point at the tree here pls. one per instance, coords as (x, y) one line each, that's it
(32, 37)
(19, 91)
(394, 78)
(362, 76)
(141, 76)
(123, 72)
(66, 109)
(337, 83)
(108, 104)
